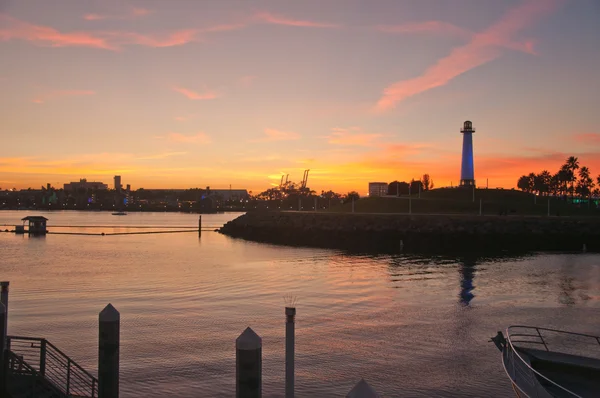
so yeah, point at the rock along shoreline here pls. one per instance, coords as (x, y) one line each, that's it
(391, 233)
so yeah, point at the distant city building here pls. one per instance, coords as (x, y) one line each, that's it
(84, 184)
(128, 188)
(228, 194)
(118, 183)
(467, 170)
(378, 188)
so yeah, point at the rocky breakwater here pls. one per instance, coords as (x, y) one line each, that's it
(417, 233)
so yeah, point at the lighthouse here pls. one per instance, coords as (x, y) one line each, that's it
(467, 171)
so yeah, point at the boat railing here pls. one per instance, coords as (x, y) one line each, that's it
(52, 365)
(522, 368)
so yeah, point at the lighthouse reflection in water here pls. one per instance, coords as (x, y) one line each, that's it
(467, 272)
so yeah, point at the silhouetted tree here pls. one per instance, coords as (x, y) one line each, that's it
(351, 195)
(585, 182)
(572, 164)
(523, 184)
(415, 186)
(426, 180)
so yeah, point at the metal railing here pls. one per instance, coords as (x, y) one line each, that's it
(518, 369)
(52, 365)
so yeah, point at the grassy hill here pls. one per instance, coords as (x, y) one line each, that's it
(460, 201)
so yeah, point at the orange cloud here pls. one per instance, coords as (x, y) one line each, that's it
(196, 96)
(277, 135)
(588, 138)
(481, 49)
(60, 94)
(341, 136)
(199, 138)
(16, 29)
(280, 20)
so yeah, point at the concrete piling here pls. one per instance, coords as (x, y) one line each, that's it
(290, 349)
(200, 226)
(362, 390)
(108, 352)
(3, 351)
(4, 300)
(248, 361)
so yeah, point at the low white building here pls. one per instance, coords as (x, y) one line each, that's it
(378, 188)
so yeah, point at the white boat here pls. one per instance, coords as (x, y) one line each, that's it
(543, 362)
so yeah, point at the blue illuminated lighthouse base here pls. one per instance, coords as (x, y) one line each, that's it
(467, 170)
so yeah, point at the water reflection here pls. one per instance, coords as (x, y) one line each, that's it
(467, 272)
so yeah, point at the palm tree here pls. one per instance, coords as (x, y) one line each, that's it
(585, 183)
(572, 164)
(564, 176)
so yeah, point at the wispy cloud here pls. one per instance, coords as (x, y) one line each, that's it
(352, 137)
(15, 29)
(171, 39)
(588, 138)
(482, 48)
(162, 155)
(40, 99)
(268, 17)
(271, 135)
(206, 95)
(199, 138)
(247, 81)
(132, 13)
(434, 27)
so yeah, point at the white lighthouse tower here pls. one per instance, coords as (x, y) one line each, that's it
(467, 171)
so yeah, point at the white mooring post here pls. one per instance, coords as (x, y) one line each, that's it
(248, 365)
(108, 352)
(362, 390)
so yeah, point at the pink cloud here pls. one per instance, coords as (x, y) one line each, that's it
(353, 136)
(44, 35)
(16, 29)
(199, 138)
(280, 20)
(177, 38)
(133, 13)
(196, 96)
(481, 49)
(60, 94)
(277, 135)
(223, 28)
(588, 138)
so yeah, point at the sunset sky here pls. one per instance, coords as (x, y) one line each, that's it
(182, 93)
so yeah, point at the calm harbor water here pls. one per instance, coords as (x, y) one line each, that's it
(411, 326)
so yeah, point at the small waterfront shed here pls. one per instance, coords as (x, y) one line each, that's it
(37, 224)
